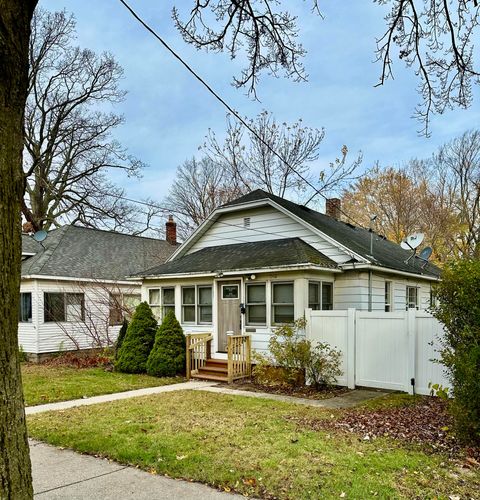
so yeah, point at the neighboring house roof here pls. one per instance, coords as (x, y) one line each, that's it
(29, 245)
(243, 256)
(385, 253)
(79, 252)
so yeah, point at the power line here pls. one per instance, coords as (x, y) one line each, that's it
(225, 104)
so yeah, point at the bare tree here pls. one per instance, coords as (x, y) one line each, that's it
(69, 149)
(250, 159)
(199, 187)
(435, 38)
(457, 169)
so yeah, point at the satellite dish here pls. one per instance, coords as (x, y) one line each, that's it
(40, 236)
(425, 254)
(412, 241)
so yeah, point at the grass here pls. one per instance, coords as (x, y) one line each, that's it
(249, 445)
(48, 384)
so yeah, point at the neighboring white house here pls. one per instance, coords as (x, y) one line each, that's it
(74, 292)
(261, 261)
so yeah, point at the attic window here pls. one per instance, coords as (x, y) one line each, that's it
(246, 222)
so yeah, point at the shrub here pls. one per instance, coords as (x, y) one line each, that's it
(138, 341)
(120, 338)
(458, 308)
(167, 357)
(298, 359)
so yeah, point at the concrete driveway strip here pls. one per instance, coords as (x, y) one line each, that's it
(66, 475)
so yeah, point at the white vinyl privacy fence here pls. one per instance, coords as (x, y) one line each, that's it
(393, 350)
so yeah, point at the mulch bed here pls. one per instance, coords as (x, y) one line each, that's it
(425, 422)
(74, 360)
(306, 392)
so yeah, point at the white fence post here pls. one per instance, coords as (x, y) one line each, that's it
(412, 349)
(350, 354)
(308, 326)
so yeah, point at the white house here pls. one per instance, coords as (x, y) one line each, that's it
(74, 291)
(262, 261)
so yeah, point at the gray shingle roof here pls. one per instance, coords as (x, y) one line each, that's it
(385, 253)
(243, 256)
(29, 245)
(79, 252)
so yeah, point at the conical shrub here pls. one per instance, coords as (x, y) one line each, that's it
(167, 357)
(121, 337)
(138, 341)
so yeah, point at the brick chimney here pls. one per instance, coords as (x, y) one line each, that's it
(171, 230)
(333, 207)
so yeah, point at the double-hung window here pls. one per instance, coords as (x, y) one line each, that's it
(64, 307)
(25, 309)
(282, 303)
(204, 304)
(154, 302)
(168, 300)
(320, 295)
(388, 296)
(188, 304)
(256, 304)
(412, 297)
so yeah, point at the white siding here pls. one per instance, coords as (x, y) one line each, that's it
(43, 337)
(266, 223)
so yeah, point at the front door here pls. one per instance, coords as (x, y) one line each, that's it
(229, 316)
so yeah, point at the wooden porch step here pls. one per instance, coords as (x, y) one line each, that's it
(217, 362)
(206, 376)
(214, 369)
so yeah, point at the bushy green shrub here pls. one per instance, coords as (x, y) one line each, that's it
(138, 341)
(167, 357)
(458, 308)
(297, 359)
(120, 338)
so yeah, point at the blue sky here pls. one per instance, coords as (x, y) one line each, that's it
(168, 113)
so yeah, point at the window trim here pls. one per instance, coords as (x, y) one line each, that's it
(388, 306)
(320, 284)
(417, 305)
(65, 304)
(20, 309)
(198, 305)
(247, 304)
(274, 304)
(236, 285)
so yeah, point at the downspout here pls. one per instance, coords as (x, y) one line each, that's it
(370, 291)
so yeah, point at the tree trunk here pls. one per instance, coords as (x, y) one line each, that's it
(15, 473)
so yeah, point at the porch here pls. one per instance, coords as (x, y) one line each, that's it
(201, 365)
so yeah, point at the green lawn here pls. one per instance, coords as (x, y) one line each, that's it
(47, 384)
(250, 446)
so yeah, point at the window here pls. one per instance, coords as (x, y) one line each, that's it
(188, 304)
(122, 306)
(154, 302)
(256, 304)
(388, 296)
(230, 292)
(320, 296)
(61, 307)
(433, 299)
(412, 297)
(130, 303)
(204, 304)
(168, 300)
(282, 303)
(116, 313)
(25, 309)
(327, 296)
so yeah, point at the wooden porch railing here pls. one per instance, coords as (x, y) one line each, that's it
(198, 351)
(239, 349)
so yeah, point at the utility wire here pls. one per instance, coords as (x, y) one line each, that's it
(225, 104)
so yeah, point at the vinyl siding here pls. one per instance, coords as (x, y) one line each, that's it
(44, 337)
(266, 223)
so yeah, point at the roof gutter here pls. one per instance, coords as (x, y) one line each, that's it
(87, 280)
(234, 272)
(369, 267)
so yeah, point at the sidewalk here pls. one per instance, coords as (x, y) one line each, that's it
(62, 474)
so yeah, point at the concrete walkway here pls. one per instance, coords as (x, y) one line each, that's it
(105, 398)
(347, 400)
(64, 474)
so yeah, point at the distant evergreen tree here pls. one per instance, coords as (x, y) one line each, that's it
(167, 357)
(138, 341)
(121, 337)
